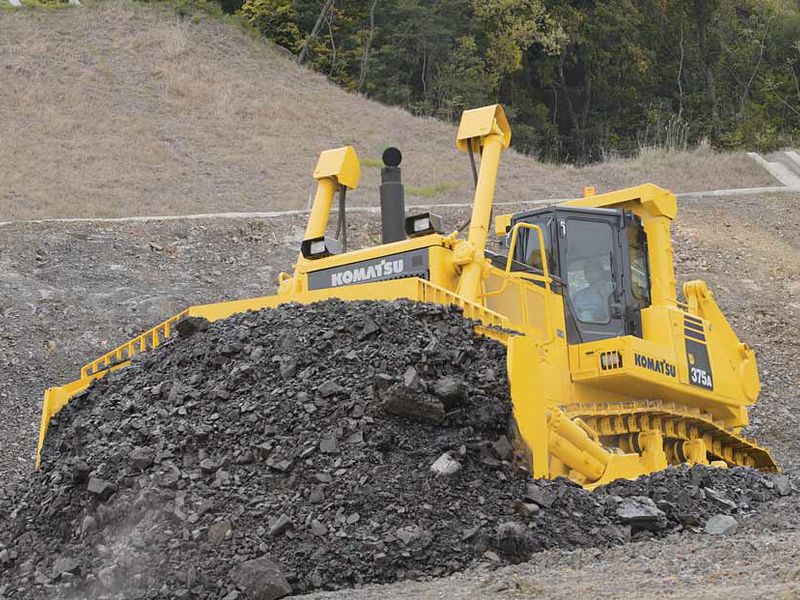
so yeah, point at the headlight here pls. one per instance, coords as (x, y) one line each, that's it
(319, 247)
(316, 247)
(423, 224)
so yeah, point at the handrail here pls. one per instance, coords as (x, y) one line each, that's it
(472, 310)
(544, 278)
(150, 339)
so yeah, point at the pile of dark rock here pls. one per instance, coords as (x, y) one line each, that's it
(307, 447)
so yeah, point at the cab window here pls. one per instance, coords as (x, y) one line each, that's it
(527, 249)
(640, 275)
(590, 278)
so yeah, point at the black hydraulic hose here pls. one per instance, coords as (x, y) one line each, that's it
(339, 218)
(474, 174)
(341, 226)
(472, 163)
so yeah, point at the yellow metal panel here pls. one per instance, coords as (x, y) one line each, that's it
(735, 359)
(633, 380)
(653, 200)
(57, 398)
(442, 271)
(530, 393)
(529, 308)
(341, 164)
(507, 302)
(479, 123)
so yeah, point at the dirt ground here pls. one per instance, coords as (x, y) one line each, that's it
(70, 291)
(121, 108)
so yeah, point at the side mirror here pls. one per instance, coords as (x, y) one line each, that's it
(502, 223)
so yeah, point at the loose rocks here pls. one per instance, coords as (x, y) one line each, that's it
(640, 512)
(207, 453)
(513, 541)
(292, 449)
(445, 465)
(721, 525)
(782, 485)
(100, 488)
(261, 579)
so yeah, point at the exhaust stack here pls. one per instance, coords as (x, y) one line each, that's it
(393, 208)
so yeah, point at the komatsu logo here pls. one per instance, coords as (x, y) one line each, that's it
(411, 263)
(653, 364)
(359, 274)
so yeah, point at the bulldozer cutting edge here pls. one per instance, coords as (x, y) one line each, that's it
(611, 375)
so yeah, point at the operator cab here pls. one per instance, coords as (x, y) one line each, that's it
(598, 260)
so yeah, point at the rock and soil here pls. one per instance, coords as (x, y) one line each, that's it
(72, 291)
(319, 446)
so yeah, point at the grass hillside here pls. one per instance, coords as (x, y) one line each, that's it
(118, 108)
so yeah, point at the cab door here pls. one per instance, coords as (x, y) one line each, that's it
(591, 264)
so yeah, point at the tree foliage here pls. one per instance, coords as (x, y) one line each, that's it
(276, 20)
(581, 79)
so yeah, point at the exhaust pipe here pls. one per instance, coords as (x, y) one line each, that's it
(393, 207)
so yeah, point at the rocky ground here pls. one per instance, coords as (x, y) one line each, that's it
(68, 292)
(320, 446)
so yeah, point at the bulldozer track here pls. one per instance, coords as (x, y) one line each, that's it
(674, 421)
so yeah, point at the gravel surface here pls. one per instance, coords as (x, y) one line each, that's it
(70, 292)
(760, 561)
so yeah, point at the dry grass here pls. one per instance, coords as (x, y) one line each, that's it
(119, 109)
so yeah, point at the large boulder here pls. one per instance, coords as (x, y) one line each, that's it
(721, 525)
(640, 512)
(261, 579)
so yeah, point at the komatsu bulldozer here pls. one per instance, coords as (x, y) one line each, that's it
(611, 376)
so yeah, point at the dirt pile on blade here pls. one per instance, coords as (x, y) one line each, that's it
(312, 447)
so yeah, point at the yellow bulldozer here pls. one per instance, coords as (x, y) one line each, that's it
(611, 376)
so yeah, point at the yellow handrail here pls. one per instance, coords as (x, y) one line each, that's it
(150, 339)
(544, 278)
(431, 292)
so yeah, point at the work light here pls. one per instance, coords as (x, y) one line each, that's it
(423, 224)
(319, 247)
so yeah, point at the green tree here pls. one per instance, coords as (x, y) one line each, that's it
(509, 28)
(579, 78)
(461, 81)
(275, 19)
